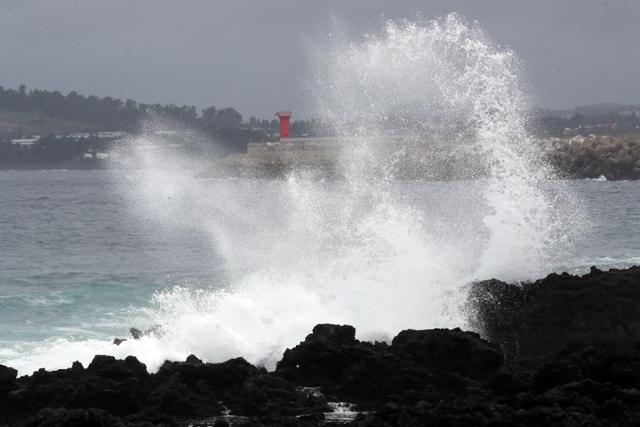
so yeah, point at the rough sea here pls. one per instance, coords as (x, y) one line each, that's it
(222, 268)
(80, 265)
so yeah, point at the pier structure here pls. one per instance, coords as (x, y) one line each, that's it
(295, 151)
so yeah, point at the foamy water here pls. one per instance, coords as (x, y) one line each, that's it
(361, 251)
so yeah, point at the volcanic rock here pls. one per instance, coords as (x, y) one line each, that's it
(324, 356)
(418, 364)
(7, 378)
(539, 318)
(572, 359)
(74, 418)
(109, 367)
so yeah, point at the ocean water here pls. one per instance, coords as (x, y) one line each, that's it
(79, 265)
(238, 267)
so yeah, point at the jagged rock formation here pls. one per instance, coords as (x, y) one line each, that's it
(571, 358)
(537, 318)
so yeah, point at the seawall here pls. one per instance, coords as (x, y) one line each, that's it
(614, 158)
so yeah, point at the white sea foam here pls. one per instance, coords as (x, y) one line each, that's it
(301, 251)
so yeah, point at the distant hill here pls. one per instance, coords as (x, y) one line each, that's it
(25, 113)
(23, 123)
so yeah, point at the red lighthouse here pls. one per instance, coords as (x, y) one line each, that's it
(284, 117)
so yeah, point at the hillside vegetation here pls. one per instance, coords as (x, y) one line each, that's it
(19, 123)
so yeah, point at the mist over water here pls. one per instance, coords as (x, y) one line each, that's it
(359, 250)
(442, 85)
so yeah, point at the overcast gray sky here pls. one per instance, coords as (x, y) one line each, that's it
(251, 54)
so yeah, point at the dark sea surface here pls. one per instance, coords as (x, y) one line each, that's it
(78, 263)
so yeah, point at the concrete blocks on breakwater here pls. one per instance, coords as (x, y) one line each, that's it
(614, 158)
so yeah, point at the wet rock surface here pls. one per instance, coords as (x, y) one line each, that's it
(537, 318)
(417, 364)
(562, 351)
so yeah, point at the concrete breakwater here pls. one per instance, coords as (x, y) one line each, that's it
(614, 158)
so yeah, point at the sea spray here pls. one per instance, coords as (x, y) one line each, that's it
(372, 250)
(442, 84)
(354, 250)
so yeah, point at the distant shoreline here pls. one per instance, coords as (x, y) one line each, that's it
(593, 157)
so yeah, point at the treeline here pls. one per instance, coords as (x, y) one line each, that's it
(228, 127)
(225, 125)
(103, 113)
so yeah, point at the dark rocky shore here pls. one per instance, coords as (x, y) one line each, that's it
(562, 351)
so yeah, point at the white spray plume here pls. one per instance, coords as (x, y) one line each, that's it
(361, 250)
